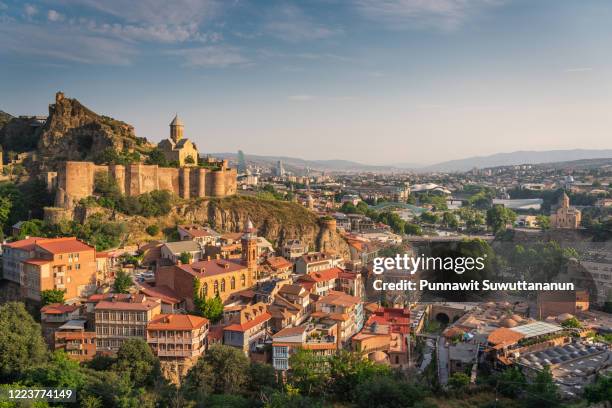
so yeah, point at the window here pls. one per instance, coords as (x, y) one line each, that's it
(233, 283)
(216, 287)
(222, 285)
(243, 280)
(205, 289)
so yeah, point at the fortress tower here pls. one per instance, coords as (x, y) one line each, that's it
(176, 129)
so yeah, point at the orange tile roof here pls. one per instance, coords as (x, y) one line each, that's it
(145, 305)
(176, 322)
(25, 244)
(213, 267)
(58, 308)
(504, 336)
(166, 294)
(250, 324)
(290, 331)
(278, 262)
(63, 245)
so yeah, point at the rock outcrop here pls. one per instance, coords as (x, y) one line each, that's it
(74, 132)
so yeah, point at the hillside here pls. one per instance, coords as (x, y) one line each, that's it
(277, 221)
(519, 157)
(70, 132)
(74, 132)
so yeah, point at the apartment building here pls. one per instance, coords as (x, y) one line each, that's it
(178, 340)
(321, 339)
(39, 264)
(317, 261)
(249, 328)
(345, 309)
(74, 340)
(122, 318)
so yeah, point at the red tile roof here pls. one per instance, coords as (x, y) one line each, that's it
(25, 244)
(63, 245)
(250, 324)
(37, 261)
(176, 322)
(213, 267)
(142, 305)
(165, 293)
(58, 308)
(278, 262)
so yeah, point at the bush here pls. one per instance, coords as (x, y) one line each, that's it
(152, 230)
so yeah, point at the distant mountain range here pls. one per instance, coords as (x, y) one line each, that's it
(520, 157)
(500, 159)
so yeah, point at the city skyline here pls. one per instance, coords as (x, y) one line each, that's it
(374, 82)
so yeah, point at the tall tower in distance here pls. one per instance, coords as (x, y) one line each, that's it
(176, 129)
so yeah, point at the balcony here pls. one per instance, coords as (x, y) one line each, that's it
(73, 346)
(175, 340)
(179, 353)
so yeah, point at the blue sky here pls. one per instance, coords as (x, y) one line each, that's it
(376, 81)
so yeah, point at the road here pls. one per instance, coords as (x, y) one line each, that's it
(442, 352)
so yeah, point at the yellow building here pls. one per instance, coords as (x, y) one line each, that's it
(178, 148)
(566, 216)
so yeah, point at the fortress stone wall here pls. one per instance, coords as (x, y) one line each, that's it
(75, 180)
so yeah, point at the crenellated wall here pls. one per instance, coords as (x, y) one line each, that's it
(75, 180)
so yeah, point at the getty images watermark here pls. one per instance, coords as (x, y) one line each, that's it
(459, 265)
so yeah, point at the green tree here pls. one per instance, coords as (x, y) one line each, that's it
(21, 343)
(185, 258)
(5, 212)
(450, 220)
(152, 230)
(543, 222)
(498, 217)
(212, 309)
(459, 382)
(429, 217)
(31, 228)
(387, 392)
(309, 372)
(156, 156)
(262, 378)
(136, 360)
(412, 229)
(222, 370)
(542, 391)
(572, 323)
(511, 382)
(59, 371)
(349, 369)
(600, 390)
(122, 283)
(52, 296)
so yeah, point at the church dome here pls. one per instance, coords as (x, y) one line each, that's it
(508, 323)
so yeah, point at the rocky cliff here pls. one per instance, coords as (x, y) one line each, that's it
(74, 132)
(277, 221)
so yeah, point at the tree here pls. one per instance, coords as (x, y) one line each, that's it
(156, 156)
(429, 217)
(222, 370)
(123, 282)
(600, 390)
(543, 222)
(212, 309)
(152, 230)
(59, 371)
(52, 296)
(387, 392)
(262, 377)
(136, 360)
(459, 382)
(542, 391)
(185, 258)
(511, 382)
(31, 228)
(189, 160)
(572, 323)
(349, 369)
(498, 217)
(450, 220)
(309, 372)
(412, 229)
(5, 212)
(21, 343)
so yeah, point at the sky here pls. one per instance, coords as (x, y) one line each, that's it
(373, 81)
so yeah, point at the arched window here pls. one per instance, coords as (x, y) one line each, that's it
(204, 290)
(233, 283)
(222, 285)
(216, 287)
(243, 280)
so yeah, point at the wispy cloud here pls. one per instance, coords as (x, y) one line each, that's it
(211, 56)
(63, 43)
(409, 14)
(30, 10)
(291, 24)
(301, 98)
